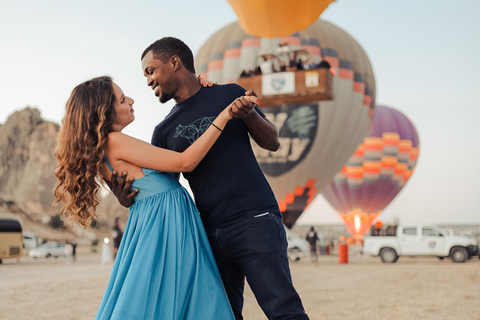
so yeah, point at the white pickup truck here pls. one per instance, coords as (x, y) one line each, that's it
(421, 240)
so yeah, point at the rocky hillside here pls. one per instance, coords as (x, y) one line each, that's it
(27, 163)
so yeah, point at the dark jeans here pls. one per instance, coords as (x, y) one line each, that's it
(256, 248)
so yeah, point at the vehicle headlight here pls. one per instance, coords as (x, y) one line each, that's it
(474, 242)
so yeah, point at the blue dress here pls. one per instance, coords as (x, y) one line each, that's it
(165, 267)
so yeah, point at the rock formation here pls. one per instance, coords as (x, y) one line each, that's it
(27, 164)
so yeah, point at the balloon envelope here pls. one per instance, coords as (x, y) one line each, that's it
(317, 137)
(276, 18)
(376, 172)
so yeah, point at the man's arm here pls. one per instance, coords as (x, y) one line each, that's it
(261, 129)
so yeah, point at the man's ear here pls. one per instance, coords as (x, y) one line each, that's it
(175, 62)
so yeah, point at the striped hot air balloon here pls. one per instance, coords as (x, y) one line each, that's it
(317, 137)
(376, 172)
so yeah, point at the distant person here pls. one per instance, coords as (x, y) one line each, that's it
(312, 239)
(266, 66)
(167, 269)
(306, 64)
(68, 252)
(310, 64)
(300, 64)
(292, 65)
(376, 229)
(74, 250)
(283, 66)
(391, 230)
(106, 253)
(117, 237)
(324, 65)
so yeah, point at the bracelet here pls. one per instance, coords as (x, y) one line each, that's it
(213, 124)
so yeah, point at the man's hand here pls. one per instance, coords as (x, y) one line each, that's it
(243, 106)
(121, 189)
(251, 93)
(205, 82)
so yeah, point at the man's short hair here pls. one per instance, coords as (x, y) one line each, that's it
(167, 47)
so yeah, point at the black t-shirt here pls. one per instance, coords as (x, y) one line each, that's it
(228, 184)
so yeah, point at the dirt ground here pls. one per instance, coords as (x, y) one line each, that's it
(365, 288)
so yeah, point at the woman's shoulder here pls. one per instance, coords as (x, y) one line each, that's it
(117, 137)
(117, 141)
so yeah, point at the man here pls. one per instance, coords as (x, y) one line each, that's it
(312, 239)
(236, 204)
(117, 235)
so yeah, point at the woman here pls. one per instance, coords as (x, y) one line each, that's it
(164, 268)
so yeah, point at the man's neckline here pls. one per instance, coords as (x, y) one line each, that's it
(189, 99)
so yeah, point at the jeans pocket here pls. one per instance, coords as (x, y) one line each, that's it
(261, 215)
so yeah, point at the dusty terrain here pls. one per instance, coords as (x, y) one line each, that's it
(365, 288)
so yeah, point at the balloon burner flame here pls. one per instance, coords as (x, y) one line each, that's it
(357, 222)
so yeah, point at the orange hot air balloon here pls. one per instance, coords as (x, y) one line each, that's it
(376, 172)
(276, 18)
(318, 133)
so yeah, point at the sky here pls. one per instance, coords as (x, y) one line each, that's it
(424, 55)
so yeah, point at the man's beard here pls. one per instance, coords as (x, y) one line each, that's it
(164, 97)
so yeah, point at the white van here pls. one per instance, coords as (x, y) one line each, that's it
(297, 247)
(30, 240)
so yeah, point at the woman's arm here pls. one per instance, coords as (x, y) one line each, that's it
(142, 154)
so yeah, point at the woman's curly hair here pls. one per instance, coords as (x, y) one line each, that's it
(80, 150)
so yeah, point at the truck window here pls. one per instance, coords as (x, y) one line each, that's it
(410, 231)
(430, 232)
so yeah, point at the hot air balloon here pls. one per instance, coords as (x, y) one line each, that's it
(275, 18)
(376, 172)
(321, 117)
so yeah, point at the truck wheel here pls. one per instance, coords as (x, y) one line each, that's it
(458, 254)
(388, 255)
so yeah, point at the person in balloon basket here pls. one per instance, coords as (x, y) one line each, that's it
(236, 204)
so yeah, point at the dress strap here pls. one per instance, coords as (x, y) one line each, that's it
(108, 164)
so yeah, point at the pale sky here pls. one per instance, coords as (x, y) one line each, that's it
(424, 55)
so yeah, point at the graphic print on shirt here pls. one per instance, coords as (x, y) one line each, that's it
(194, 130)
